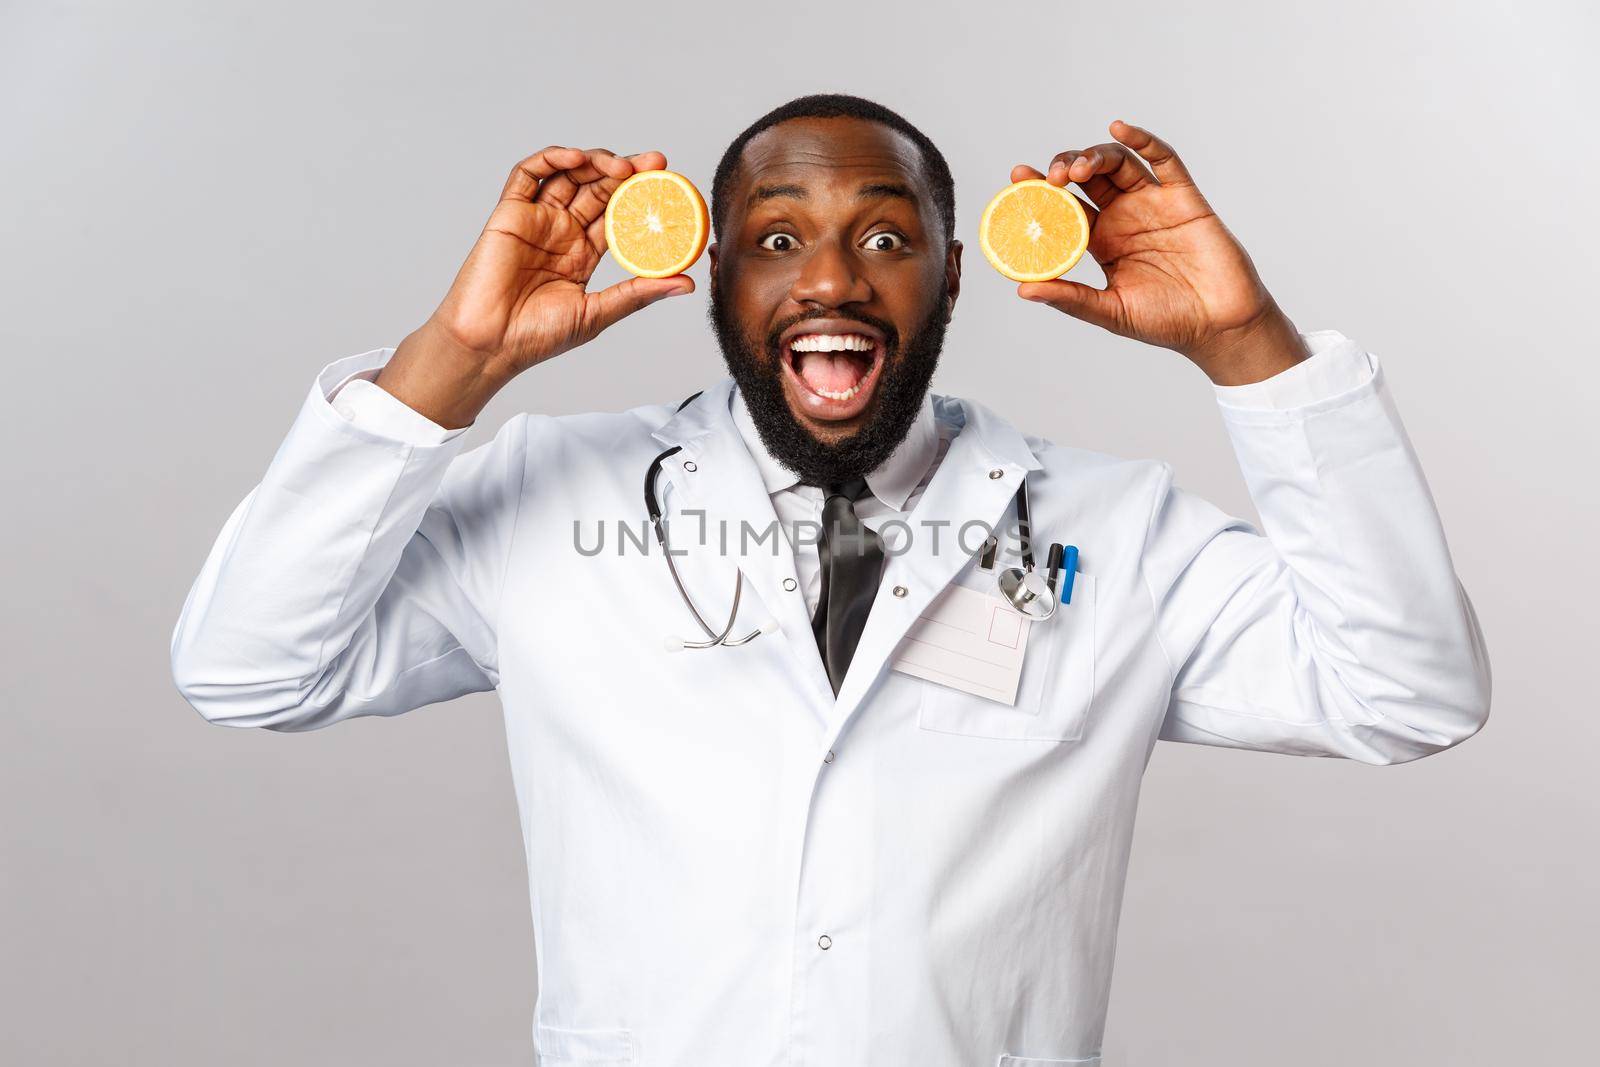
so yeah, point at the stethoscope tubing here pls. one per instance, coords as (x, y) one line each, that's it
(714, 637)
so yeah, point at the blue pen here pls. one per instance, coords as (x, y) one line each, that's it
(1069, 570)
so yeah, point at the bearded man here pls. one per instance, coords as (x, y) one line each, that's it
(876, 808)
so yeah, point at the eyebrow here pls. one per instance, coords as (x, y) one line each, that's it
(870, 191)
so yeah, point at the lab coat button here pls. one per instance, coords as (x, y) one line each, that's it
(901, 591)
(994, 475)
(789, 585)
(829, 757)
(689, 466)
(824, 942)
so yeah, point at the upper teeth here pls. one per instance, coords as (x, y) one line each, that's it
(831, 342)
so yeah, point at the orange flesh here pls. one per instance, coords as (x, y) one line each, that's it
(655, 225)
(1032, 230)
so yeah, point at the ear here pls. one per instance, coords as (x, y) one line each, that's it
(952, 279)
(711, 250)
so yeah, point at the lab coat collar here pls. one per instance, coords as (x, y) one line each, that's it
(698, 417)
(712, 411)
(774, 475)
(1002, 440)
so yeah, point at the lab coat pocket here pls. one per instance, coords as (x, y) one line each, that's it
(590, 1048)
(1030, 1061)
(1054, 694)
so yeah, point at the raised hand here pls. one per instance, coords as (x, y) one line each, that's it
(522, 296)
(1175, 276)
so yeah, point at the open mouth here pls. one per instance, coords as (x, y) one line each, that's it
(832, 368)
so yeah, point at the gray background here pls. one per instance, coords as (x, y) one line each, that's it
(202, 206)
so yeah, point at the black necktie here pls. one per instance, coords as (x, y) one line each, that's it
(852, 563)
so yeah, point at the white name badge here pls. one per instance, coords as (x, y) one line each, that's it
(969, 641)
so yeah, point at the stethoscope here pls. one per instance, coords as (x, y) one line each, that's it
(713, 637)
(1024, 587)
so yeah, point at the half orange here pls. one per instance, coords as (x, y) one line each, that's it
(656, 224)
(1033, 231)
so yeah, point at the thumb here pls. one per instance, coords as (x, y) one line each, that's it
(1096, 306)
(617, 302)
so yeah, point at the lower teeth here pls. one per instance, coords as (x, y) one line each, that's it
(846, 395)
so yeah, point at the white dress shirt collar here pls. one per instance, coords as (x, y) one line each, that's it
(891, 481)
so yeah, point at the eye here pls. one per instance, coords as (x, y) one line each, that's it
(886, 241)
(779, 242)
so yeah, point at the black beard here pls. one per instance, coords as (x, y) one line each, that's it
(902, 384)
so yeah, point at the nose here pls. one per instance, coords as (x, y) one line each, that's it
(832, 277)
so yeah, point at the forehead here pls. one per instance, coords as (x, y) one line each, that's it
(818, 153)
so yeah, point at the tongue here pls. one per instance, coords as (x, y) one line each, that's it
(832, 372)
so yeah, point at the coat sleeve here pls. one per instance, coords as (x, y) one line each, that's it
(360, 576)
(1343, 630)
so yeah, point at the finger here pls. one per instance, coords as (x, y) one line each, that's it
(648, 161)
(1110, 167)
(598, 165)
(589, 206)
(614, 303)
(1097, 306)
(1022, 172)
(1153, 150)
(528, 174)
(1098, 186)
(608, 163)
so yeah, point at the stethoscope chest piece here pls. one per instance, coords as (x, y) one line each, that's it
(1028, 592)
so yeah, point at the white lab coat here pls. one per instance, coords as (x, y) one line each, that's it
(698, 825)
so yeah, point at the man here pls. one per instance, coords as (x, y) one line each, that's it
(800, 849)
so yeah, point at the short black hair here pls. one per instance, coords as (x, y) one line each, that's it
(838, 105)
